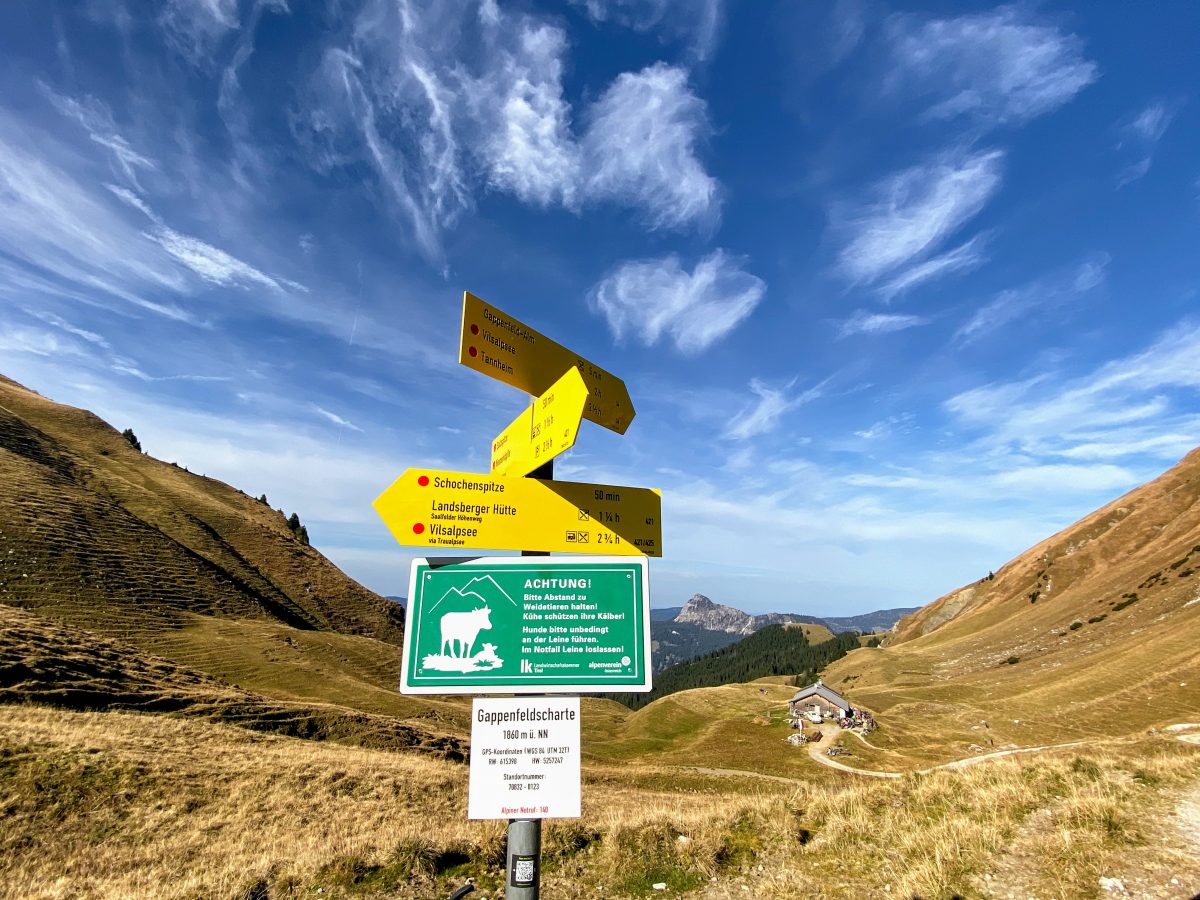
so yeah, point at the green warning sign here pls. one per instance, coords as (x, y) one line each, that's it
(515, 625)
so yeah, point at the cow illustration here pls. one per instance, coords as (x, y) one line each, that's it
(462, 628)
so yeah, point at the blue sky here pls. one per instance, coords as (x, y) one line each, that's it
(898, 291)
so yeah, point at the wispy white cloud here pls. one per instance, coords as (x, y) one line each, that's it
(209, 262)
(1039, 296)
(195, 27)
(132, 199)
(763, 415)
(887, 481)
(63, 325)
(70, 237)
(1056, 478)
(1138, 442)
(35, 341)
(696, 21)
(640, 147)
(885, 427)
(863, 322)
(962, 258)
(1003, 65)
(92, 352)
(97, 120)
(1011, 476)
(1140, 135)
(637, 145)
(1151, 123)
(385, 101)
(130, 367)
(525, 135)
(335, 418)
(53, 223)
(653, 299)
(434, 115)
(908, 214)
(1121, 407)
(250, 155)
(844, 30)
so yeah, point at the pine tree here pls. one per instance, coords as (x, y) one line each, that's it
(132, 438)
(775, 650)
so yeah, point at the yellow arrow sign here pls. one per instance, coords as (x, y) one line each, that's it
(430, 508)
(498, 345)
(543, 431)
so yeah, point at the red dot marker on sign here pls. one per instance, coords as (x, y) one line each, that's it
(474, 329)
(423, 481)
(418, 528)
(472, 351)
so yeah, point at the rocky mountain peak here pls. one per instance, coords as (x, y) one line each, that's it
(705, 613)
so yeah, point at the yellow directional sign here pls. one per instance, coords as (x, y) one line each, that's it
(498, 345)
(547, 428)
(430, 508)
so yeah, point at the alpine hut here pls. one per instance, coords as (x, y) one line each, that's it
(818, 700)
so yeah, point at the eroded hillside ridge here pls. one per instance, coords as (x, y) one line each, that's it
(1145, 544)
(46, 662)
(96, 533)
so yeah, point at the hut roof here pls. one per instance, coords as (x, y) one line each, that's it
(821, 690)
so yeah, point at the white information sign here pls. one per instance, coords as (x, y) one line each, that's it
(524, 758)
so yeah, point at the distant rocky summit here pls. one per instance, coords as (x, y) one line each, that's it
(704, 613)
(702, 626)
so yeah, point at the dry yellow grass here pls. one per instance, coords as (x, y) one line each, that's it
(125, 805)
(109, 805)
(1093, 632)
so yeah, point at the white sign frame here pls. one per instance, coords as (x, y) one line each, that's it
(525, 758)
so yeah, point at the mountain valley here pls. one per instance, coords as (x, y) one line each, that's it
(175, 661)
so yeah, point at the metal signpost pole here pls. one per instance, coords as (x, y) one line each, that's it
(524, 855)
(525, 756)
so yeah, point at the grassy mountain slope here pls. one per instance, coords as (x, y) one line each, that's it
(47, 662)
(96, 533)
(100, 537)
(1095, 630)
(800, 649)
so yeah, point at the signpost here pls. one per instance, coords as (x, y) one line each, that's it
(432, 508)
(524, 760)
(521, 625)
(543, 431)
(504, 348)
(532, 624)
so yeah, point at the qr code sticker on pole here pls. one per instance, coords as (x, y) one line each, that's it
(523, 871)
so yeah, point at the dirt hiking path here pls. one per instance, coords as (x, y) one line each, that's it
(1188, 732)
